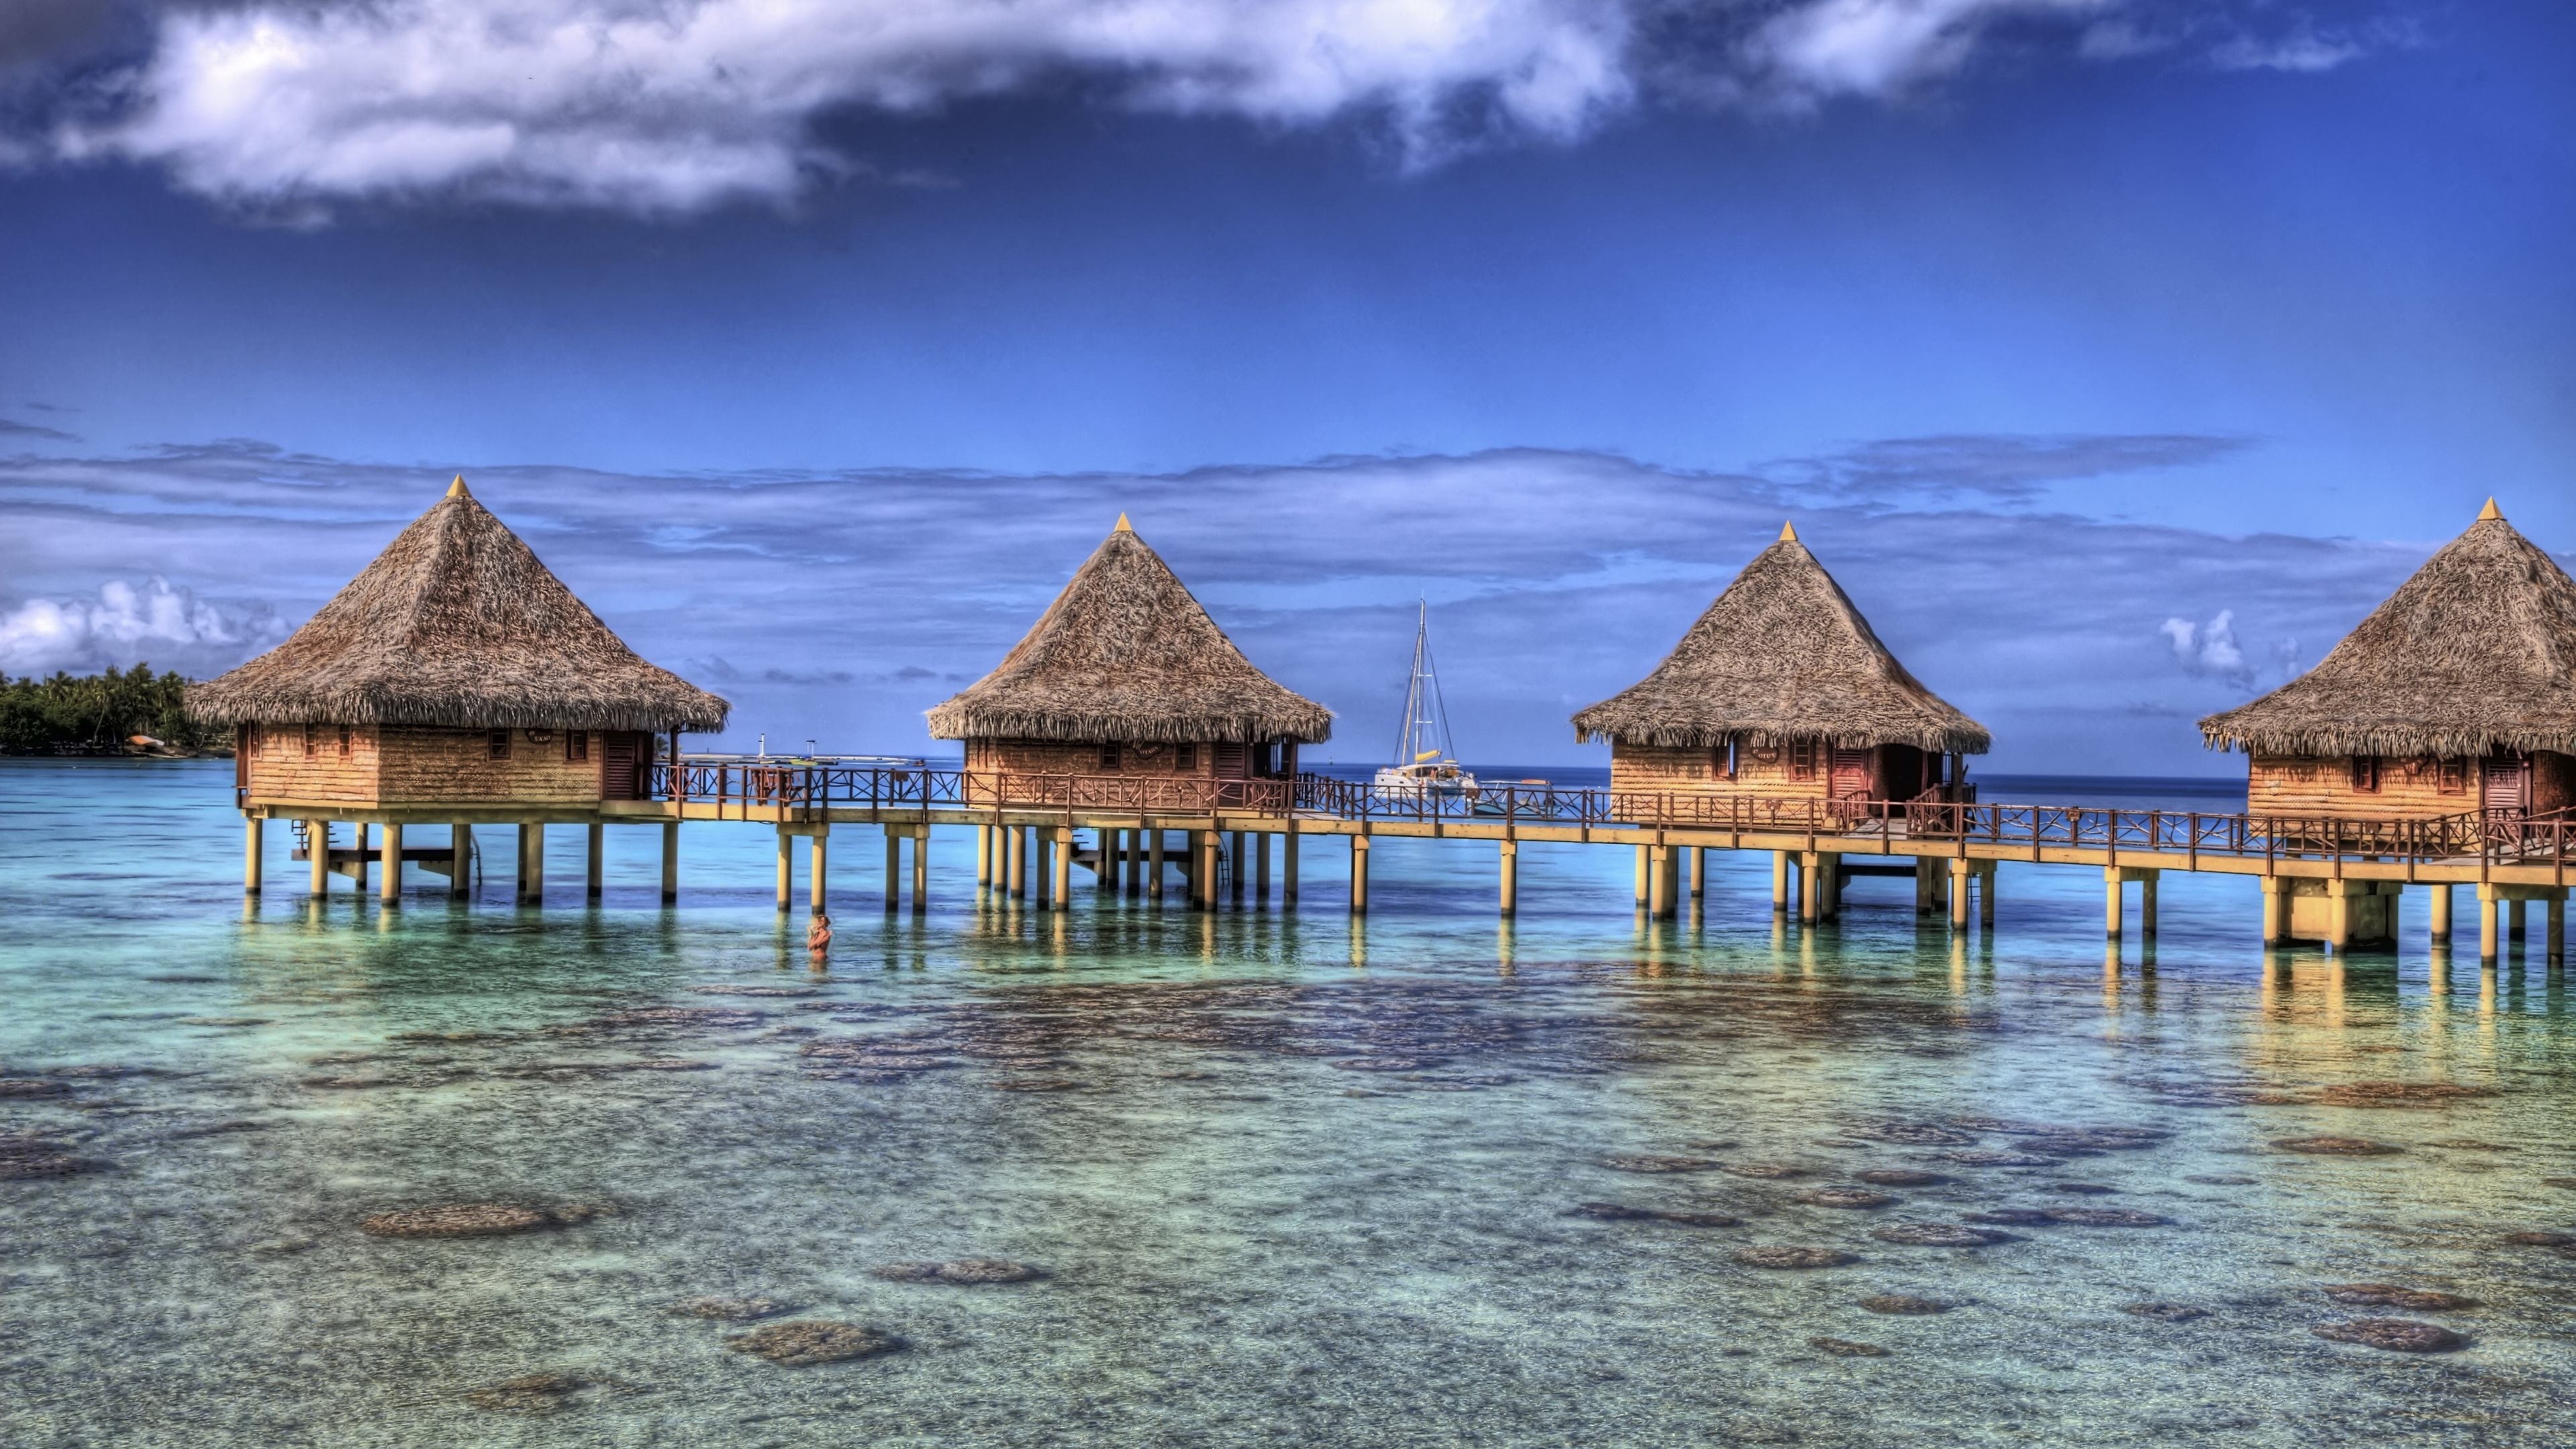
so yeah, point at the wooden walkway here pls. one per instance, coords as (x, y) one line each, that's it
(2329, 879)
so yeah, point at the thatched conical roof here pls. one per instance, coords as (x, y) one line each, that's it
(456, 624)
(2476, 651)
(1126, 655)
(1781, 656)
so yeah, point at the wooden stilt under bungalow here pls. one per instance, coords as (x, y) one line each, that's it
(454, 682)
(2455, 698)
(1782, 690)
(1125, 695)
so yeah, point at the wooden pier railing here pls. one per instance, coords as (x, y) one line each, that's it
(1847, 825)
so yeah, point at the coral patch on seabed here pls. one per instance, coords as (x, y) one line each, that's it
(958, 1270)
(32, 1087)
(1647, 1162)
(2395, 1335)
(1938, 1235)
(2389, 1295)
(1903, 1305)
(814, 1341)
(2164, 1312)
(30, 1155)
(1621, 1212)
(1769, 1171)
(1845, 1348)
(528, 1393)
(729, 1310)
(2396, 1094)
(475, 1220)
(2336, 1146)
(2542, 1238)
(1898, 1177)
(1792, 1257)
(1846, 1197)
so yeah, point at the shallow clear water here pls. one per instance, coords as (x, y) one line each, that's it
(1288, 1181)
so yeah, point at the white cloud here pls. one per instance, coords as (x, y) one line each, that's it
(123, 625)
(675, 105)
(1825, 48)
(2303, 50)
(2211, 649)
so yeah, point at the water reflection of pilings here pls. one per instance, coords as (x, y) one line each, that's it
(1506, 951)
(1359, 943)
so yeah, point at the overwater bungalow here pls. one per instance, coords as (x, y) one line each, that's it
(2456, 694)
(1126, 692)
(455, 681)
(1781, 689)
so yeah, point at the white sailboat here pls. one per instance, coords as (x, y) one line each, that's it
(1425, 763)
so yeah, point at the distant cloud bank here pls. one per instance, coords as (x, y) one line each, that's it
(675, 106)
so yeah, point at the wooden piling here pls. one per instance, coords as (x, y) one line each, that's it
(2339, 916)
(1154, 865)
(317, 847)
(2438, 922)
(2556, 941)
(1779, 882)
(1961, 878)
(2276, 910)
(1359, 874)
(595, 876)
(1063, 891)
(367, 843)
(389, 884)
(670, 862)
(460, 859)
(1511, 863)
(1136, 861)
(921, 870)
(983, 856)
(786, 869)
(1698, 871)
(2147, 903)
(2519, 923)
(1261, 867)
(1234, 878)
(1645, 877)
(1288, 864)
(1986, 897)
(1811, 885)
(1105, 860)
(894, 868)
(535, 830)
(253, 853)
(818, 873)
(2111, 894)
(2486, 925)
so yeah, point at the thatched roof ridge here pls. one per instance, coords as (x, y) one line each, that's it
(456, 624)
(1126, 655)
(2476, 651)
(1782, 655)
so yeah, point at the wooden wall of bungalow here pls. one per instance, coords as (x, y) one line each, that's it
(371, 765)
(2381, 787)
(1274, 759)
(1799, 769)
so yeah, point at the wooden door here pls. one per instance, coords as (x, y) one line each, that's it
(1853, 774)
(618, 774)
(2506, 782)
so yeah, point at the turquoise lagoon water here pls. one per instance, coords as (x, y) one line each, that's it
(1290, 1181)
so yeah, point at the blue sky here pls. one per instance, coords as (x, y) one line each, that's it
(2116, 356)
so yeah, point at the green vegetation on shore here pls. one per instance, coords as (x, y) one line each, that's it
(98, 713)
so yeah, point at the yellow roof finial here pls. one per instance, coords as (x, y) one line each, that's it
(457, 488)
(2490, 512)
(1788, 532)
(1122, 525)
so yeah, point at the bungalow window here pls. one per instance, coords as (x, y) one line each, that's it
(2453, 778)
(1109, 759)
(500, 744)
(1802, 760)
(1726, 762)
(576, 746)
(344, 742)
(1229, 761)
(1186, 759)
(2365, 774)
(312, 740)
